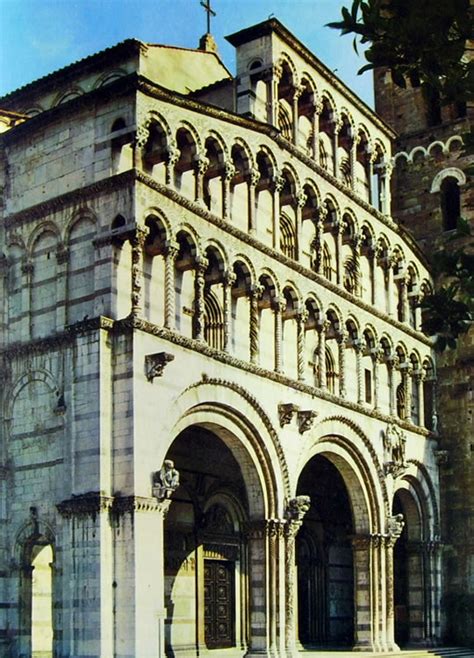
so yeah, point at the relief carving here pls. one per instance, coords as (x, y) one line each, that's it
(286, 413)
(155, 364)
(165, 481)
(394, 443)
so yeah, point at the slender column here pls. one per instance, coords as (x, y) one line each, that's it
(359, 346)
(296, 510)
(318, 108)
(419, 380)
(201, 163)
(275, 531)
(199, 308)
(278, 183)
(387, 197)
(279, 306)
(370, 173)
(342, 339)
(372, 257)
(406, 378)
(353, 161)
(377, 356)
(229, 280)
(392, 365)
(254, 338)
(322, 328)
(173, 154)
(356, 245)
(338, 227)
(389, 278)
(394, 530)
(27, 269)
(337, 127)
(137, 242)
(301, 199)
(252, 185)
(229, 173)
(142, 134)
(301, 320)
(62, 258)
(296, 95)
(272, 78)
(172, 250)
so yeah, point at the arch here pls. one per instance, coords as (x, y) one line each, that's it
(353, 451)
(37, 232)
(69, 95)
(244, 265)
(449, 172)
(39, 375)
(108, 77)
(229, 406)
(83, 215)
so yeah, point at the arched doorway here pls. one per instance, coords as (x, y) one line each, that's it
(206, 561)
(324, 559)
(409, 572)
(41, 601)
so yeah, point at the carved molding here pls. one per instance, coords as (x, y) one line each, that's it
(83, 505)
(156, 363)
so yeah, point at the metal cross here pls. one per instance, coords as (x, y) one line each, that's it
(207, 6)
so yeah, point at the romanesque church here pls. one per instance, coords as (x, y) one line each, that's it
(223, 432)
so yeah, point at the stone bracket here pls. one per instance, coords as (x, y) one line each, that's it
(155, 364)
(306, 420)
(286, 413)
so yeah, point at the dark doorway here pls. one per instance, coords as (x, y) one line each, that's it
(324, 559)
(219, 607)
(400, 574)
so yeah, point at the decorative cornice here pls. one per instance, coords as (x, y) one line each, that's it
(58, 340)
(130, 324)
(73, 198)
(278, 256)
(83, 505)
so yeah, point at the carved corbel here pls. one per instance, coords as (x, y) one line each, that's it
(441, 457)
(395, 525)
(286, 413)
(165, 481)
(306, 420)
(155, 364)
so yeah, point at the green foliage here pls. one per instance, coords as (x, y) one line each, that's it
(449, 311)
(422, 41)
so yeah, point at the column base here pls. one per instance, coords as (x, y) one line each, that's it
(364, 646)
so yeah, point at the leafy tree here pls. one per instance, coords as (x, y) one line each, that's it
(422, 41)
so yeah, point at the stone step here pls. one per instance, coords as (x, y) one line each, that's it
(439, 652)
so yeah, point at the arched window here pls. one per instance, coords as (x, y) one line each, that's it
(450, 203)
(401, 402)
(331, 374)
(213, 321)
(350, 275)
(287, 237)
(327, 265)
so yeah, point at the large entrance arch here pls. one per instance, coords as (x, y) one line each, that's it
(206, 560)
(324, 559)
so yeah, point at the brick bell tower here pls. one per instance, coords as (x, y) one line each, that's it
(430, 190)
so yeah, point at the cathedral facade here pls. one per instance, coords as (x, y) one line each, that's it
(219, 430)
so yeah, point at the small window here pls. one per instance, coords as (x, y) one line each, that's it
(450, 203)
(433, 108)
(368, 386)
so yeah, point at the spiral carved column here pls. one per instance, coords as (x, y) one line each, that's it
(172, 251)
(199, 306)
(279, 306)
(255, 296)
(137, 241)
(301, 320)
(229, 280)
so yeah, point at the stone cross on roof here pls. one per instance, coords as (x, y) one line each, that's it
(209, 10)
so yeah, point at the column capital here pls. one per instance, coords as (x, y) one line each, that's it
(297, 507)
(201, 163)
(301, 199)
(229, 277)
(201, 264)
(229, 170)
(395, 525)
(171, 249)
(278, 182)
(254, 177)
(138, 236)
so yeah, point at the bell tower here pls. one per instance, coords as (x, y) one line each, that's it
(431, 189)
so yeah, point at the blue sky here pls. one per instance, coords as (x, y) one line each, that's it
(41, 36)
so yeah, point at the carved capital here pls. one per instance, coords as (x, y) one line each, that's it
(306, 420)
(254, 177)
(395, 525)
(286, 412)
(278, 182)
(297, 507)
(301, 199)
(229, 170)
(201, 164)
(155, 364)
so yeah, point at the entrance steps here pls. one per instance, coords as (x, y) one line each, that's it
(438, 652)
